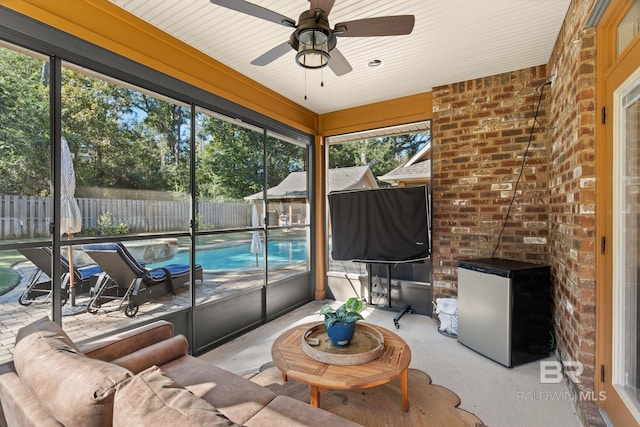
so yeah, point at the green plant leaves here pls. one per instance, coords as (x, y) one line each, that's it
(353, 305)
(346, 313)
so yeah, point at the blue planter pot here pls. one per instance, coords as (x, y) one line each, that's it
(340, 333)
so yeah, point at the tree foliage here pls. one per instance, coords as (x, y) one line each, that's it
(24, 125)
(166, 127)
(102, 144)
(382, 155)
(230, 159)
(284, 158)
(121, 138)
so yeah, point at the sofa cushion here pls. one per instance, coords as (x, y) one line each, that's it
(152, 399)
(19, 406)
(44, 324)
(237, 398)
(74, 389)
(121, 344)
(155, 354)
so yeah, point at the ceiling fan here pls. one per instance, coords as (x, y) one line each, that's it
(313, 39)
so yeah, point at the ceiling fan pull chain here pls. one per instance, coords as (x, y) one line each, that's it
(305, 83)
(322, 77)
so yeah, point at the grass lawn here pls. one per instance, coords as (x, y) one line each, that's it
(9, 278)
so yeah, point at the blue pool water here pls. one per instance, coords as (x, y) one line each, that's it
(237, 258)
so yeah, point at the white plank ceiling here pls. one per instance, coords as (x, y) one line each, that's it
(452, 41)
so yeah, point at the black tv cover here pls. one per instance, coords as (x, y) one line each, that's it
(380, 225)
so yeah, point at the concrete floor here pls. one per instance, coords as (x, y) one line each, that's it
(500, 396)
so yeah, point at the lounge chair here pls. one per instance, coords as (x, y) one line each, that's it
(39, 287)
(126, 279)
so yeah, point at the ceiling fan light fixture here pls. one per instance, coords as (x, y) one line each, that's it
(313, 49)
(313, 38)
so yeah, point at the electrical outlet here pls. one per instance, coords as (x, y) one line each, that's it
(553, 77)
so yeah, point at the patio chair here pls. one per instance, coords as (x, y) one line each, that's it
(39, 287)
(124, 278)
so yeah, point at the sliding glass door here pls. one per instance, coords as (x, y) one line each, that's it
(159, 172)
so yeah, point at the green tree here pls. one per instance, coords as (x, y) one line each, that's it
(122, 138)
(166, 126)
(382, 155)
(283, 158)
(230, 160)
(24, 125)
(102, 144)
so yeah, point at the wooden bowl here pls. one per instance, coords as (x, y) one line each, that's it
(366, 345)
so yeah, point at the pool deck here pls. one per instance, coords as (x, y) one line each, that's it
(81, 325)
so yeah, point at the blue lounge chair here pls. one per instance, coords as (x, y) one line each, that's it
(39, 287)
(127, 279)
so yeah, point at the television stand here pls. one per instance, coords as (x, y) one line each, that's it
(406, 309)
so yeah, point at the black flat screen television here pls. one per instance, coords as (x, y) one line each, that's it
(384, 225)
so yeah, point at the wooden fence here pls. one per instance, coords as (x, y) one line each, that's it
(23, 217)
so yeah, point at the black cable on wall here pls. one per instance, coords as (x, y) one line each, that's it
(524, 159)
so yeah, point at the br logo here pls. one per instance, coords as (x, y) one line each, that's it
(551, 371)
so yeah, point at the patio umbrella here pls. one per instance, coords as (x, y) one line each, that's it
(70, 215)
(256, 243)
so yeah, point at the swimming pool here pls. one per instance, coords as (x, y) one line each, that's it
(239, 257)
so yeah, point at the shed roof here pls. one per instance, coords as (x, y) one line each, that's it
(294, 186)
(420, 171)
(418, 168)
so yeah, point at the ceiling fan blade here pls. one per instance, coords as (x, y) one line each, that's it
(338, 63)
(324, 5)
(380, 26)
(255, 10)
(272, 54)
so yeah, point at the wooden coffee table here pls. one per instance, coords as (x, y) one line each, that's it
(289, 357)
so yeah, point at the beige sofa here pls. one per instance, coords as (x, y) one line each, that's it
(143, 377)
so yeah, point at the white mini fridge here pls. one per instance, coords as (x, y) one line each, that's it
(504, 309)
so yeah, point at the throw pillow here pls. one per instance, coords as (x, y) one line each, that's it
(44, 324)
(74, 389)
(151, 399)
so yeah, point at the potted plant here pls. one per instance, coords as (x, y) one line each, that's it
(341, 322)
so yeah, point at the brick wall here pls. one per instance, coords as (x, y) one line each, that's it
(573, 115)
(481, 130)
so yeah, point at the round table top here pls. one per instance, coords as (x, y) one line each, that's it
(289, 357)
